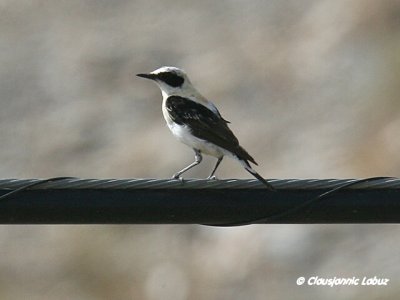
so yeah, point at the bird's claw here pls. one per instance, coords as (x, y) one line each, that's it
(212, 177)
(177, 177)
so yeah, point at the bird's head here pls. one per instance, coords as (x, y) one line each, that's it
(171, 80)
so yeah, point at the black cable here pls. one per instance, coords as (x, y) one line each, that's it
(302, 205)
(275, 216)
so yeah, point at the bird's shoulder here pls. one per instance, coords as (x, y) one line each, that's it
(185, 109)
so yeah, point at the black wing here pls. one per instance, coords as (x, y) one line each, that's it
(204, 124)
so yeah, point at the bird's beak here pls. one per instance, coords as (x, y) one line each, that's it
(148, 76)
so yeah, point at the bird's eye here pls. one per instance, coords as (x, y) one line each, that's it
(171, 79)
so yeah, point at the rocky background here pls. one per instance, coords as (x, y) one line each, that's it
(311, 88)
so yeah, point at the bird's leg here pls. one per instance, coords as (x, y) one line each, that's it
(212, 176)
(198, 158)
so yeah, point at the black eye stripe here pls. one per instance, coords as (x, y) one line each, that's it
(171, 79)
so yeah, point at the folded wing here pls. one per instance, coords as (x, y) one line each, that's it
(205, 124)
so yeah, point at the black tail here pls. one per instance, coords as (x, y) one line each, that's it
(256, 175)
(259, 177)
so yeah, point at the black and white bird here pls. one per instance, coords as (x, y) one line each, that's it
(196, 122)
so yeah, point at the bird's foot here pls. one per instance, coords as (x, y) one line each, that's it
(212, 177)
(178, 177)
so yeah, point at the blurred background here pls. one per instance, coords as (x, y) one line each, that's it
(311, 89)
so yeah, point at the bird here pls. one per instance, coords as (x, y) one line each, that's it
(196, 122)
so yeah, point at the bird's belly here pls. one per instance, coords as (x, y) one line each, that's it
(183, 134)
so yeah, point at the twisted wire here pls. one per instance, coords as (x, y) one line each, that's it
(147, 206)
(294, 184)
